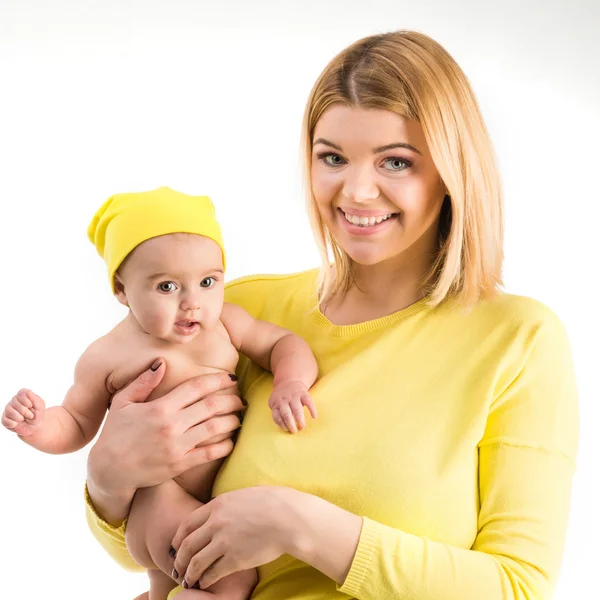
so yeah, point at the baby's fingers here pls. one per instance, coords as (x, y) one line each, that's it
(309, 403)
(22, 396)
(11, 418)
(298, 412)
(17, 404)
(279, 419)
(288, 418)
(36, 402)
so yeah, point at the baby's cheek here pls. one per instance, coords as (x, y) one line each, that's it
(158, 321)
(213, 312)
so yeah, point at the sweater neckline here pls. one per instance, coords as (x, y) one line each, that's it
(357, 329)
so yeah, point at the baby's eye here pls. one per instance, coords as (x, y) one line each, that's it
(207, 282)
(167, 287)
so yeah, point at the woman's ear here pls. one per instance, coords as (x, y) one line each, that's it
(120, 290)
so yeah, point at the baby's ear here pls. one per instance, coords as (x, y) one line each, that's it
(120, 291)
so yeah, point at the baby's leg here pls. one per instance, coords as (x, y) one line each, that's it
(151, 528)
(199, 480)
(148, 538)
(160, 585)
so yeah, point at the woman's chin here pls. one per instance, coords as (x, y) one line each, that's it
(369, 259)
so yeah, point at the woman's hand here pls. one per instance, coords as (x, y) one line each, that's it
(236, 531)
(250, 527)
(143, 444)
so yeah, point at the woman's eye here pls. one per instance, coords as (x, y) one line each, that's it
(207, 282)
(167, 286)
(333, 160)
(396, 164)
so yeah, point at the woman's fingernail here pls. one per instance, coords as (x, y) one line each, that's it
(244, 402)
(172, 552)
(233, 377)
(174, 574)
(185, 584)
(156, 364)
(196, 586)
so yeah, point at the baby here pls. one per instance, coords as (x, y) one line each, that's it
(166, 262)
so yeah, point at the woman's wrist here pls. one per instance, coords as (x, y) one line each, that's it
(111, 500)
(321, 534)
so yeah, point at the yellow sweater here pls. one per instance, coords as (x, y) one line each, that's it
(452, 433)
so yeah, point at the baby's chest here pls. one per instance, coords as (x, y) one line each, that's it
(211, 353)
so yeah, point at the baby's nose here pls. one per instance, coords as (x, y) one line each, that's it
(191, 302)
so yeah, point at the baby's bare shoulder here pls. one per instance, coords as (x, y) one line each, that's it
(101, 357)
(236, 321)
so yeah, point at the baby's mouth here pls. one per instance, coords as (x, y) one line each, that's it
(187, 326)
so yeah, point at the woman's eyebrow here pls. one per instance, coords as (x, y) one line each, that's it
(375, 150)
(327, 143)
(396, 145)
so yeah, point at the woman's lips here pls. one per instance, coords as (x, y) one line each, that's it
(361, 230)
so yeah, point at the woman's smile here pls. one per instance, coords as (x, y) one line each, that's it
(362, 222)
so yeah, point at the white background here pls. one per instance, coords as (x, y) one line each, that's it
(207, 97)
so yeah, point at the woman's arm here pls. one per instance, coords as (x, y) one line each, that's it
(526, 463)
(516, 555)
(144, 444)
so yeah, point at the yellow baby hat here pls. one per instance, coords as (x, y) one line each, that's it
(126, 220)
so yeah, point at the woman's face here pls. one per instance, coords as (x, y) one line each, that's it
(375, 185)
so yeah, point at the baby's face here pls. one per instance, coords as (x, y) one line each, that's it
(173, 285)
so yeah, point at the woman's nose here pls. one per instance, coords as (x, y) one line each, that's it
(360, 185)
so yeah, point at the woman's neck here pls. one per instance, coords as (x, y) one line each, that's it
(379, 290)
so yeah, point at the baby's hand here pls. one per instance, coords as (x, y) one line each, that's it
(287, 403)
(24, 413)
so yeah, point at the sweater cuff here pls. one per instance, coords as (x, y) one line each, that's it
(111, 538)
(95, 520)
(174, 592)
(368, 542)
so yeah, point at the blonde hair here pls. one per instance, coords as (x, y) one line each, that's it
(410, 74)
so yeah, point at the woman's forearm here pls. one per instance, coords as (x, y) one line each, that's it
(324, 536)
(111, 502)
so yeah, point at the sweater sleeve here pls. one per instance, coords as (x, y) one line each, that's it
(112, 539)
(526, 464)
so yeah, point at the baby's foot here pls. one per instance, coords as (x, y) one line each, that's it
(24, 413)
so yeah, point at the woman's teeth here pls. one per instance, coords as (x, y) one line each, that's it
(367, 221)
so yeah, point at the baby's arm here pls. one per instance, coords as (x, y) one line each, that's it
(69, 427)
(282, 352)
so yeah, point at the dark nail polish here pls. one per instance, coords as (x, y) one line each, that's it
(196, 586)
(185, 584)
(244, 402)
(174, 574)
(233, 377)
(172, 552)
(156, 364)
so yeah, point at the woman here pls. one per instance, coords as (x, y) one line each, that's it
(441, 462)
